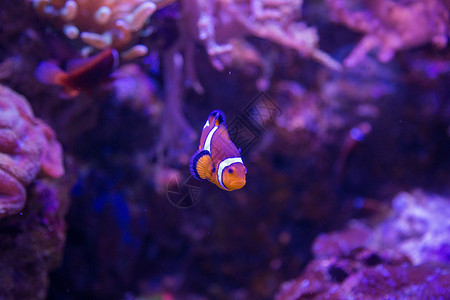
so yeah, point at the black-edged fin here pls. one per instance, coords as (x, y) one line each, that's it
(218, 117)
(201, 165)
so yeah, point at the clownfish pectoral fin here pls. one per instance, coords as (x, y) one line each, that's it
(218, 117)
(49, 73)
(201, 165)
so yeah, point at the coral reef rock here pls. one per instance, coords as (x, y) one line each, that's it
(366, 274)
(403, 257)
(32, 242)
(27, 146)
(419, 227)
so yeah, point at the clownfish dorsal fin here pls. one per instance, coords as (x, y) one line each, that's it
(201, 165)
(218, 117)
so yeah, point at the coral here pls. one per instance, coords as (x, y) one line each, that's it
(391, 26)
(27, 146)
(31, 244)
(342, 242)
(101, 24)
(365, 274)
(419, 227)
(406, 255)
(217, 24)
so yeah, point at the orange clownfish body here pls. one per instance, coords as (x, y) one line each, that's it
(217, 158)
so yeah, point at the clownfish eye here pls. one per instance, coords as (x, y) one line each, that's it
(230, 171)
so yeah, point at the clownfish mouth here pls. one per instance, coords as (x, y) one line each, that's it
(237, 184)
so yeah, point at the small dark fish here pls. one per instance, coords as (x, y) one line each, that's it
(217, 158)
(82, 74)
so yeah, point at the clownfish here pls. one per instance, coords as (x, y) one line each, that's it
(217, 158)
(81, 74)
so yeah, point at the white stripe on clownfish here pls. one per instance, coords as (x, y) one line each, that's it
(206, 124)
(225, 163)
(207, 146)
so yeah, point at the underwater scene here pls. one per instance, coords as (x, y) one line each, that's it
(224, 149)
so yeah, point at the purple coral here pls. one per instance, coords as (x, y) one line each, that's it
(364, 274)
(27, 146)
(390, 26)
(419, 227)
(405, 256)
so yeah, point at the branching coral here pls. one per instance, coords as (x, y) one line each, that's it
(390, 26)
(218, 22)
(27, 146)
(101, 24)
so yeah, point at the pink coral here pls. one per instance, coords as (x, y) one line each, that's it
(101, 24)
(219, 23)
(390, 26)
(27, 146)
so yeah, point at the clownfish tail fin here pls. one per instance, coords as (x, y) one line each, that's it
(201, 165)
(218, 116)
